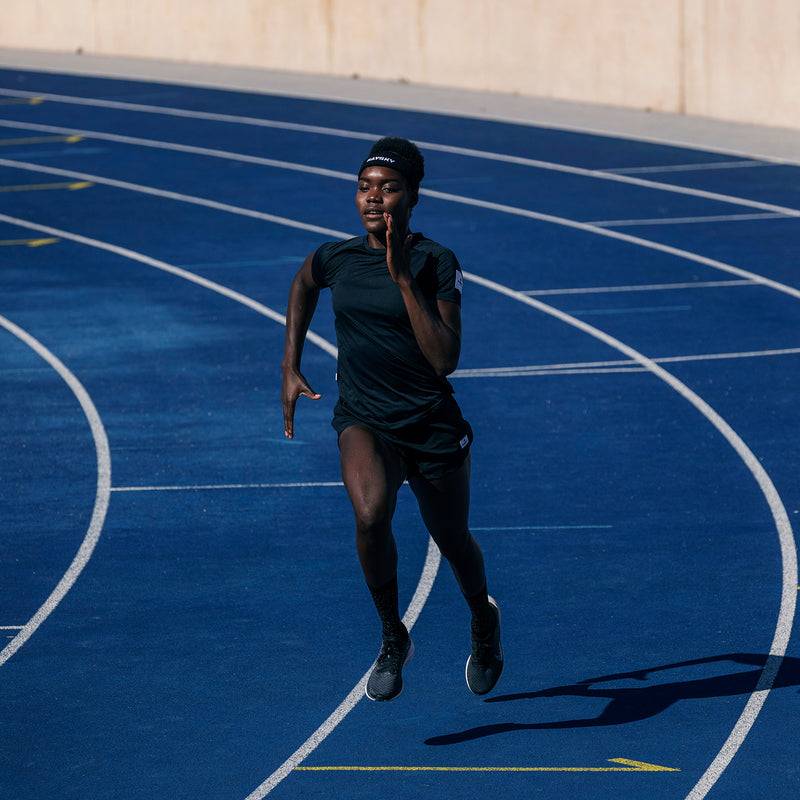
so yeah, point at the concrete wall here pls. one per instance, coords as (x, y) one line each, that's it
(736, 60)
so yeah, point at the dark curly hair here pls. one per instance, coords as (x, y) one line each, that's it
(411, 163)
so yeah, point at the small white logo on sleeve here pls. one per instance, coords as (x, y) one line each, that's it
(464, 442)
(459, 281)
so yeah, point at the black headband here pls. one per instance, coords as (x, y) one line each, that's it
(391, 160)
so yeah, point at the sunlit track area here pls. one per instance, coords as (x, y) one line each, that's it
(183, 612)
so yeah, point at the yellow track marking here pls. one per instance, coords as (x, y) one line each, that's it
(643, 766)
(27, 242)
(41, 140)
(629, 766)
(26, 101)
(38, 187)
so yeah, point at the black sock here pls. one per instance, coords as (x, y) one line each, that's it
(386, 602)
(483, 617)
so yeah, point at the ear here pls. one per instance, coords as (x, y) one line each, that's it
(413, 197)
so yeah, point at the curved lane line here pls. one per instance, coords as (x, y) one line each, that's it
(452, 198)
(347, 134)
(461, 151)
(424, 587)
(432, 561)
(124, 252)
(622, 237)
(788, 545)
(184, 198)
(86, 549)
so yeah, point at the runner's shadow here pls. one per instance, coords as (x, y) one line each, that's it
(631, 704)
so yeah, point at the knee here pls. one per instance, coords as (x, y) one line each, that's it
(373, 521)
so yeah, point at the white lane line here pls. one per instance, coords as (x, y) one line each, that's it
(459, 151)
(608, 176)
(622, 237)
(788, 549)
(432, 561)
(521, 372)
(710, 165)
(216, 486)
(780, 518)
(102, 495)
(606, 312)
(177, 147)
(540, 527)
(628, 223)
(608, 366)
(490, 206)
(183, 198)
(346, 706)
(547, 369)
(788, 351)
(645, 287)
(210, 116)
(124, 252)
(747, 718)
(300, 128)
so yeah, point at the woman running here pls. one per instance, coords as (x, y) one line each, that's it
(397, 302)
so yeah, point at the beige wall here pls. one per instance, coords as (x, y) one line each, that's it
(731, 59)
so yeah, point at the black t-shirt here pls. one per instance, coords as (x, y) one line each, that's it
(384, 379)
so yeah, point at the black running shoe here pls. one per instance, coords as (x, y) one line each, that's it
(486, 660)
(386, 680)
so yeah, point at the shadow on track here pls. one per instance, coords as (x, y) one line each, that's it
(633, 703)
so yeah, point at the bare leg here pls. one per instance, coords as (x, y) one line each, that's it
(373, 474)
(444, 505)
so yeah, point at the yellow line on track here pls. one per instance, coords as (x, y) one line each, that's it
(27, 242)
(630, 766)
(41, 140)
(25, 101)
(39, 187)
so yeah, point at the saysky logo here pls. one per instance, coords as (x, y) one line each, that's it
(459, 281)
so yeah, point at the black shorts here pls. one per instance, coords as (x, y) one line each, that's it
(432, 447)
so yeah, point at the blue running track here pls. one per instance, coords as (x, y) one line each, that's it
(183, 613)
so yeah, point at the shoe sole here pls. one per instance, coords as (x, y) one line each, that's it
(409, 656)
(493, 602)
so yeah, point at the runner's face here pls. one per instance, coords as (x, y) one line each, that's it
(383, 190)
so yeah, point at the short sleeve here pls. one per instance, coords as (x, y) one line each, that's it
(318, 267)
(450, 278)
